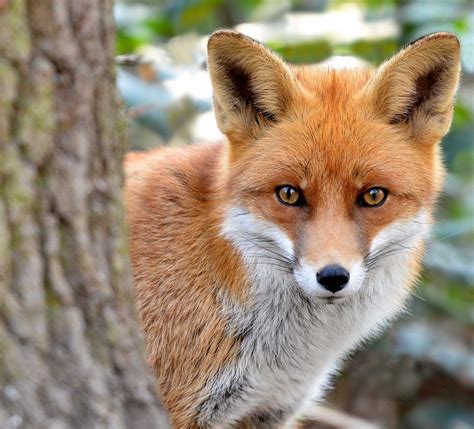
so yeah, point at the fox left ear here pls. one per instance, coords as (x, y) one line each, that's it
(252, 86)
(417, 86)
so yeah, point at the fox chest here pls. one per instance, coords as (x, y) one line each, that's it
(288, 347)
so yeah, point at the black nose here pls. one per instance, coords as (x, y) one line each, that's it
(333, 278)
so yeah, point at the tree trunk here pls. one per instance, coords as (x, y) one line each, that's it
(70, 348)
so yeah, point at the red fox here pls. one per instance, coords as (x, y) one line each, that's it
(259, 263)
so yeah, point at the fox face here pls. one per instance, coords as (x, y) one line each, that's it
(332, 170)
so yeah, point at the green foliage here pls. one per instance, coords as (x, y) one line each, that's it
(129, 41)
(366, 4)
(196, 16)
(463, 162)
(450, 297)
(374, 51)
(188, 16)
(463, 116)
(305, 52)
(160, 26)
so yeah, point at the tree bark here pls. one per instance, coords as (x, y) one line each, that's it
(70, 348)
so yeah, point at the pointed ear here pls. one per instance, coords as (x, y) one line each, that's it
(252, 86)
(417, 86)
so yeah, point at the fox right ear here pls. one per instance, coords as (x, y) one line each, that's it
(252, 86)
(416, 87)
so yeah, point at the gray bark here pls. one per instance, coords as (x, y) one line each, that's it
(70, 348)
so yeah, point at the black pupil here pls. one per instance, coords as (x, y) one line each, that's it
(289, 193)
(374, 194)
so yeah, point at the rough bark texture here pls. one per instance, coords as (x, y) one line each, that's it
(70, 349)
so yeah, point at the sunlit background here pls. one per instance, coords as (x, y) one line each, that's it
(421, 373)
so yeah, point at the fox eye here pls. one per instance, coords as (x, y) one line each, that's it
(373, 197)
(289, 195)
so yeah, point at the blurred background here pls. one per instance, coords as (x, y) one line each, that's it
(421, 373)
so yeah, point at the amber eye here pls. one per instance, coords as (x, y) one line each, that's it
(289, 195)
(373, 197)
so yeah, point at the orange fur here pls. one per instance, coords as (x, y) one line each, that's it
(330, 133)
(176, 211)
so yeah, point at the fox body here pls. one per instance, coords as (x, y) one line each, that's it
(261, 262)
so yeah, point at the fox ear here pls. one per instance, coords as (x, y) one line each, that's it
(417, 86)
(252, 86)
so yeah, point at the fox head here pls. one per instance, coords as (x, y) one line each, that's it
(331, 172)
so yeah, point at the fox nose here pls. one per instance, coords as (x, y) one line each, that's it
(333, 278)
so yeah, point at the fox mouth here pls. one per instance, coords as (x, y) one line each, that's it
(331, 300)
